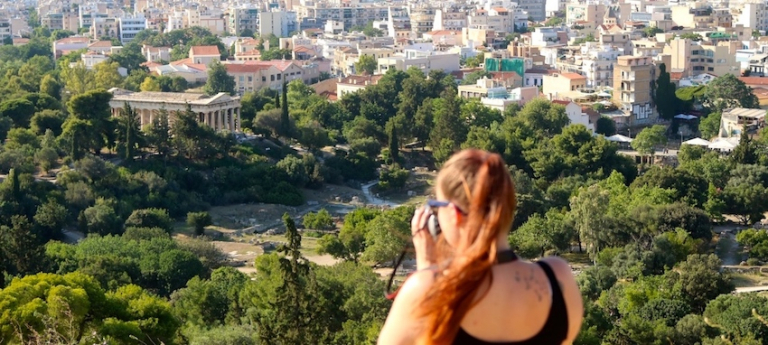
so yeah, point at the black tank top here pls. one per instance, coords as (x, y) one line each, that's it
(555, 330)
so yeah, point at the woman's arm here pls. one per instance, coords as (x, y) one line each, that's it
(402, 325)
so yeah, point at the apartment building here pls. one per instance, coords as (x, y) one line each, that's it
(563, 85)
(426, 63)
(535, 8)
(105, 27)
(156, 54)
(252, 77)
(53, 21)
(693, 15)
(130, 26)
(315, 13)
(576, 116)
(484, 87)
(632, 79)
(545, 37)
(692, 58)
(450, 19)
(5, 29)
(280, 24)
(69, 44)
(422, 20)
(751, 14)
(243, 18)
(355, 83)
(590, 12)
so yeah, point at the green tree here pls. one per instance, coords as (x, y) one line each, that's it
(18, 110)
(710, 125)
(73, 131)
(605, 126)
(285, 119)
(50, 86)
(101, 219)
(366, 64)
(198, 221)
(129, 134)
(745, 152)
(472, 78)
(448, 130)
(321, 220)
(646, 141)
(651, 31)
(106, 76)
(46, 159)
(21, 251)
(727, 91)
(665, 97)
(158, 135)
(219, 80)
(394, 145)
(150, 84)
(150, 218)
(47, 119)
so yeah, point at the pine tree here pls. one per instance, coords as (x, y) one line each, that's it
(285, 119)
(159, 134)
(745, 153)
(295, 315)
(129, 133)
(448, 125)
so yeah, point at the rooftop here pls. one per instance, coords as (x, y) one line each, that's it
(204, 51)
(572, 76)
(243, 68)
(101, 44)
(744, 113)
(122, 95)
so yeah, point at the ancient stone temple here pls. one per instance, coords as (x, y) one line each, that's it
(220, 112)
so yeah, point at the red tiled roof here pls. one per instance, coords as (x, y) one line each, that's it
(331, 96)
(100, 44)
(282, 65)
(500, 9)
(74, 40)
(572, 76)
(204, 50)
(754, 80)
(561, 102)
(303, 49)
(254, 52)
(186, 61)
(443, 32)
(151, 64)
(243, 68)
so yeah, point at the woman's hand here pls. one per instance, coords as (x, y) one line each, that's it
(423, 243)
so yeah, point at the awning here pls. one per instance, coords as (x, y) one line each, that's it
(604, 94)
(724, 144)
(685, 117)
(697, 142)
(618, 138)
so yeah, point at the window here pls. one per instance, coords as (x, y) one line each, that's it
(242, 79)
(250, 79)
(279, 76)
(263, 78)
(272, 77)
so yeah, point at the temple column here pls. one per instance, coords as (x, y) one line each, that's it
(237, 121)
(210, 120)
(152, 116)
(218, 120)
(231, 115)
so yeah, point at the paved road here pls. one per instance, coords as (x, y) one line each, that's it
(751, 289)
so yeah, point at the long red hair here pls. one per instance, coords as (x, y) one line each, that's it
(480, 184)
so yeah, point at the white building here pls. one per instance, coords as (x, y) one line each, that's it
(130, 26)
(544, 37)
(281, 24)
(445, 62)
(575, 115)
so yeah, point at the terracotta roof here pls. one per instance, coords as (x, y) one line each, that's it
(243, 68)
(186, 61)
(754, 80)
(675, 75)
(303, 49)
(100, 44)
(500, 9)
(204, 50)
(572, 76)
(331, 96)
(561, 102)
(282, 65)
(151, 64)
(592, 113)
(68, 40)
(249, 41)
(254, 52)
(21, 40)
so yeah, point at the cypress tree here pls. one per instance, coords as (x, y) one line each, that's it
(394, 145)
(285, 120)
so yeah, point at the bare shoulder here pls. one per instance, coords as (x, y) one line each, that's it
(402, 325)
(571, 294)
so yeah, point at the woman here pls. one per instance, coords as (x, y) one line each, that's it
(469, 287)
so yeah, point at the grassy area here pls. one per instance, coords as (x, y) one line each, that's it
(748, 279)
(577, 259)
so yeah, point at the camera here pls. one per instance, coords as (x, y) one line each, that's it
(433, 225)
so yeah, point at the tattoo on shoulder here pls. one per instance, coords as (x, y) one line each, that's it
(539, 287)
